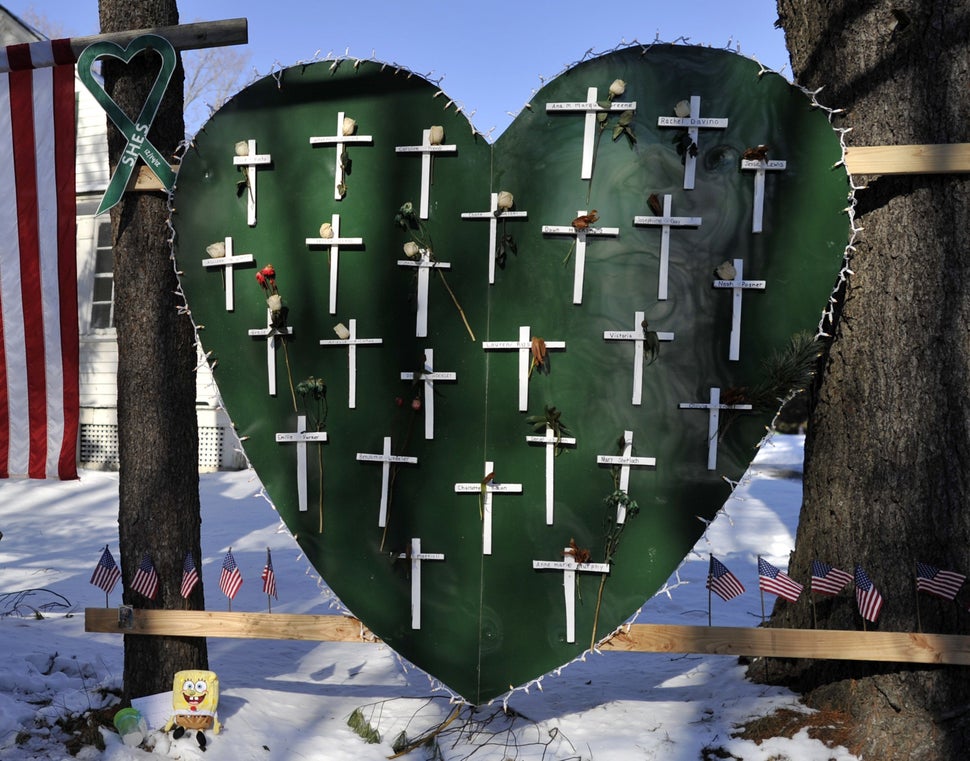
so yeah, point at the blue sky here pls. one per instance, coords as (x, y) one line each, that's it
(492, 55)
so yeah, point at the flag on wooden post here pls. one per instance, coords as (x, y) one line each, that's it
(106, 572)
(145, 580)
(867, 596)
(269, 577)
(722, 582)
(190, 576)
(938, 583)
(39, 345)
(230, 579)
(827, 580)
(776, 581)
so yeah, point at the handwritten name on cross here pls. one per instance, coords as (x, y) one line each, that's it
(334, 245)
(714, 407)
(428, 376)
(486, 491)
(301, 437)
(415, 555)
(340, 142)
(229, 262)
(693, 123)
(760, 166)
(638, 335)
(580, 235)
(270, 333)
(666, 222)
(250, 162)
(426, 150)
(351, 342)
(551, 442)
(625, 461)
(591, 107)
(385, 458)
(524, 347)
(570, 568)
(738, 286)
(424, 264)
(493, 216)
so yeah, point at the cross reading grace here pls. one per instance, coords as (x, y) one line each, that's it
(580, 234)
(486, 491)
(270, 333)
(759, 167)
(693, 122)
(524, 347)
(639, 336)
(424, 264)
(426, 149)
(428, 376)
(625, 461)
(738, 286)
(351, 342)
(385, 458)
(570, 568)
(493, 215)
(249, 163)
(340, 141)
(334, 245)
(415, 555)
(229, 262)
(301, 437)
(665, 222)
(714, 407)
(590, 107)
(551, 442)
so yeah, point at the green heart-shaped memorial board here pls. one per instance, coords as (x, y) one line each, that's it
(489, 591)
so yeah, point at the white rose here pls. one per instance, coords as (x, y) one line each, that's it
(341, 330)
(412, 250)
(274, 302)
(216, 250)
(436, 135)
(326, 230)
(682, 109)
(617, 88)
(505, 200)
(242, 148)
(349, 126)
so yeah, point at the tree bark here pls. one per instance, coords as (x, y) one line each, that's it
(158, 511)
(887, 456)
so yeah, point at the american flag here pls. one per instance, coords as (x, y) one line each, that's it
(146, 579)
(827, 580)
(867, 596)
(230, 579)
(776, 581)
(190, 576)
(106, 573)
(722, 582)
(938, 583)
(39, 345)
(269, 577)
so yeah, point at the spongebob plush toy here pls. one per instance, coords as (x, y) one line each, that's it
(195, 697)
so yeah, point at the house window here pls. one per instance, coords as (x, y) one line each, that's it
(103, 301)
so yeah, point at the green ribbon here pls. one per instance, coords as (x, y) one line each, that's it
(136, 132)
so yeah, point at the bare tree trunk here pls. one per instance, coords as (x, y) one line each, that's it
(158, 511)
(887, 469)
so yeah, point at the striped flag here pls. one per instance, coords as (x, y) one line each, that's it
(106, 573)
(146, 579)
(190, 576)
(827, 580)
(39, 397)
(938, 583)
(776, 581)
(867, 596)
(722, 582)
(230, 579)
(269, 577)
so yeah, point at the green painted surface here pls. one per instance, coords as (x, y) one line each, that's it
(489, 622)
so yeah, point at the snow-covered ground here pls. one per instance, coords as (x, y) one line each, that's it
(284, 700)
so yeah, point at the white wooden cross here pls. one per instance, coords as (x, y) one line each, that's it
(334, 245)
(738, 285)
(486, 491)
(415, 555)
(340, 141)
(693, 123)
(429, 376)
(760, 166)
(715, 407)
(250, 161)
(570, 568)
(385, 458)
(580, 236)
(270, 333)
(625, 461)
(351, 342)
(551, 442)
(524, 347)
(666, 222)
(638, 335)
(426, 150)
(424, 264)
(301, 437)
(591, 107)
(229, 261)
(493, 216)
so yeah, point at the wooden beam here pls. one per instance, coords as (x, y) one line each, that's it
(202, 34)
(908, 159)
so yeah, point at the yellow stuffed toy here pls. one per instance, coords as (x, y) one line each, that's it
(195, 697)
